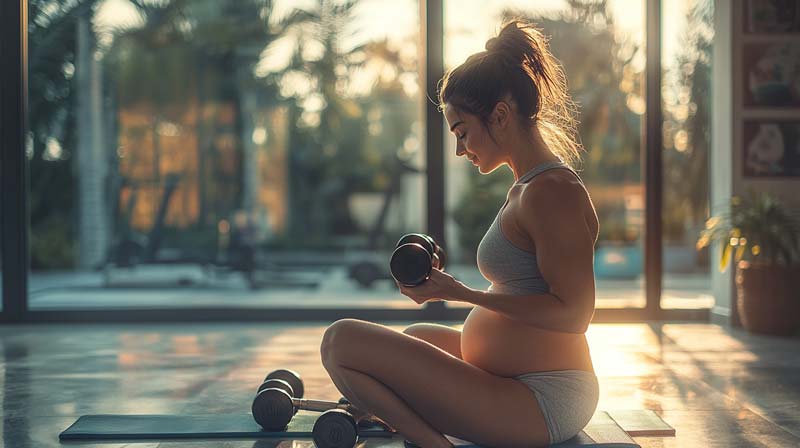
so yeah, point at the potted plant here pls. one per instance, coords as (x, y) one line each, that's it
(764, 240)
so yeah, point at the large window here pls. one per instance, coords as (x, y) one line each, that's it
(601, 48)
(687, 33)
(224, 153)
(251, 154)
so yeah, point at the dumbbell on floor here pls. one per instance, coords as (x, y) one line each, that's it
(285, 380)
(274, 407)
(414, 259)
(279, 398)
(337, 428)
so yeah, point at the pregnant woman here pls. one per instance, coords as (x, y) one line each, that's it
(519, 374)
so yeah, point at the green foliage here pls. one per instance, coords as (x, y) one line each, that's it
(756, 227)
(52, 245)
(350, 143)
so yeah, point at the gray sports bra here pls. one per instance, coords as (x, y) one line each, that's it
(510, 269)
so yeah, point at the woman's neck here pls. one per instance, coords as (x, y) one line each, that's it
(527, 151)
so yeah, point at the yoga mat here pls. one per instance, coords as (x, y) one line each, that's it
(602, 430)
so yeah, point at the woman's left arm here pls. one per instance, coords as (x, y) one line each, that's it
(555, 220)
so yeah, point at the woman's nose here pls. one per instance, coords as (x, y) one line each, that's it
(460, 149)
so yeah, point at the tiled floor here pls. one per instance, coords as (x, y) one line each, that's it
(718, 387)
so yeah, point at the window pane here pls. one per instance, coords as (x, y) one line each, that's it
(687, 33)
(602, 53)
(236, 152)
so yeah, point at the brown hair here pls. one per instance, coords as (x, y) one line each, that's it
(517, 62)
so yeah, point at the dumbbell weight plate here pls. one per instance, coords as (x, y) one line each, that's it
(335, 428)
(428, 243)
(273, 409)
(425, 241)
(276, 384)
(291, 377)
(410, 264)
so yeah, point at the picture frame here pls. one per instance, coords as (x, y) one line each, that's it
(771, 74)
(771, 148)
(772, 16)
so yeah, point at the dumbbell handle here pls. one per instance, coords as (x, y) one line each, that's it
(318, 405)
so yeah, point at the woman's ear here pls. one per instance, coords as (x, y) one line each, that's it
(501, 114)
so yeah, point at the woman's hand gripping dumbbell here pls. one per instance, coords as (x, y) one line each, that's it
(417, 266)
(415, 257)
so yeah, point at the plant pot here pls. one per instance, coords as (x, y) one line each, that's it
(768, 298)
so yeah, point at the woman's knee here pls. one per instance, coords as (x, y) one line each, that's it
(335, 335)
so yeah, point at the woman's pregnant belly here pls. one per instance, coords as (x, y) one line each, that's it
(508, 348)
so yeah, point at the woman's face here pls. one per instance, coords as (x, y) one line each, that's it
(472, 139)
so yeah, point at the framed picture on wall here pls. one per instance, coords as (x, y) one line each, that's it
(771, 74)
(771, 149)
(772, 16)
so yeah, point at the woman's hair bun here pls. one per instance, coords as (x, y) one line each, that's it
(491, 44)
(516, 42)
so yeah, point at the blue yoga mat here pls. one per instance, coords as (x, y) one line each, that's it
(602, 431)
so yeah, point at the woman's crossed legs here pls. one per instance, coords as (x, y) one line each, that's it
(424, 392)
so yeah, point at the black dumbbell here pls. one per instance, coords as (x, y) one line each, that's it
(274, 407)
(414, 258)
(438, 255)
(335, 428)
(270, 408)
(278, 384)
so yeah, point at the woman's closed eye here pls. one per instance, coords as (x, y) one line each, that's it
(461, 137)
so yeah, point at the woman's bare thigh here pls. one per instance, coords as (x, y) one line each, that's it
(442, 336)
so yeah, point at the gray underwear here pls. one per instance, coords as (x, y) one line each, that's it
(568, 399)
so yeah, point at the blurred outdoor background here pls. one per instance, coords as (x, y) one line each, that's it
(263, 153)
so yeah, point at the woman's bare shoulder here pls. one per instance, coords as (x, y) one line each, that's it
(557, 195)
(554, 188)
